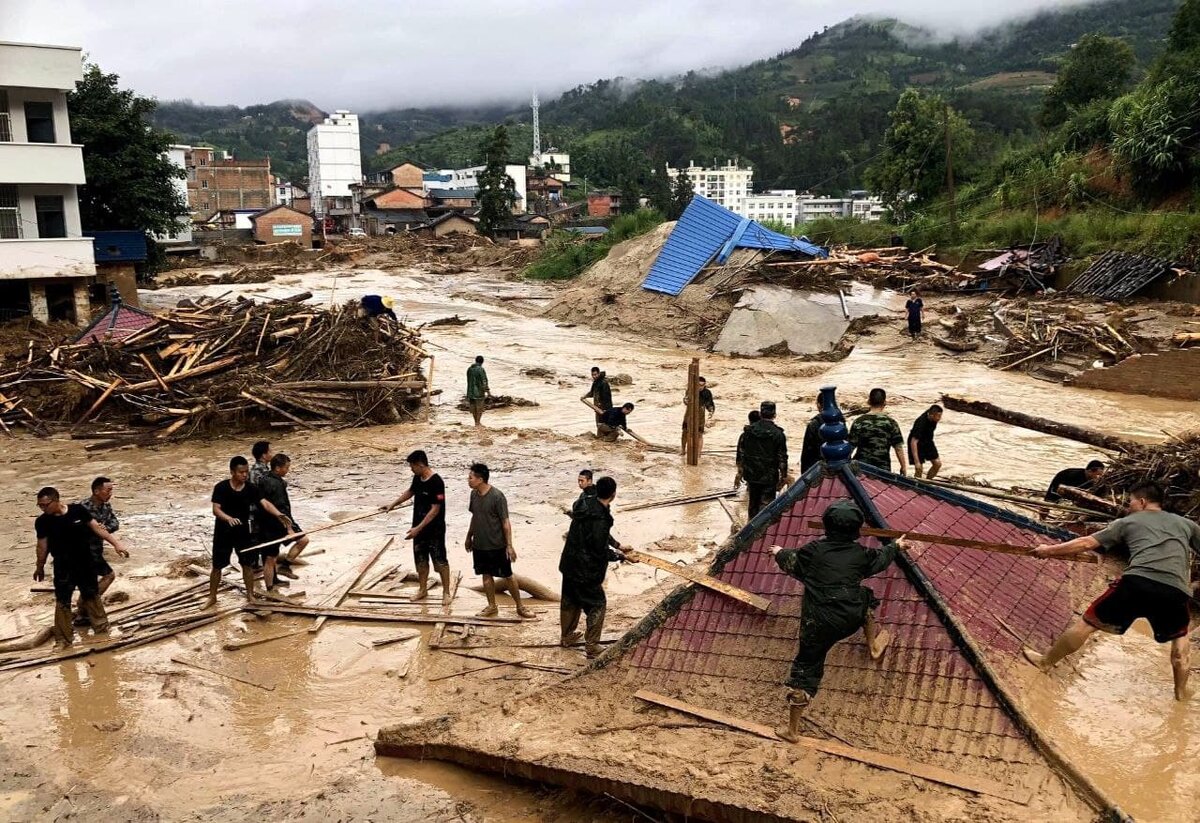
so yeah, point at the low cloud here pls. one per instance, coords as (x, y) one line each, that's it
(382, 53)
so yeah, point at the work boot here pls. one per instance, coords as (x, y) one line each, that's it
(569, 640)
(798, 701)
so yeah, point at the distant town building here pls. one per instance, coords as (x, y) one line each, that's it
(775, 206)
(727, 185)
(334, 164)
(859, 204)
(217, 181)
(183, 235)
(603, 203)
(46, 263)
(460, 179)
(286, 192)
(556, 163)
(282, 224)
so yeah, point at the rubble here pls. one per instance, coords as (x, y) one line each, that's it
(1172, 463)
(217, 364)
(501, 401)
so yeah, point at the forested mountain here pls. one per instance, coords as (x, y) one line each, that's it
(809, 118)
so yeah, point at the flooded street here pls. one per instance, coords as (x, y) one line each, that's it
(138, 735)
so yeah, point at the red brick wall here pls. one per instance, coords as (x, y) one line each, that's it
(1174, 374)
(599, 205)
(264, 233)
(228, 184)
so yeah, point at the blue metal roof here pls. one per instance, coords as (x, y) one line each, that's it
(707, 230)
(118, 246)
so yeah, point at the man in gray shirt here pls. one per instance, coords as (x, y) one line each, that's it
(489, 540)
(1156, 585)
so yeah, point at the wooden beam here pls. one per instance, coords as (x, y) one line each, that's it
(336, 598)
(997, 548)
(981, 408)
(380, 617)
(935, 774)
(326, 527)
(100, 400)
(693, 415)
(272, 407)
(396, 638)
(701, 579)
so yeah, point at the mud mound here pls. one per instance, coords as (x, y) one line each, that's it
(609, 295)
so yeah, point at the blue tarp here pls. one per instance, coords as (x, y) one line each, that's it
(707, 230)
(118, 246)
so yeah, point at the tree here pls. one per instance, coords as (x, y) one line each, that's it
(912, 165)
(1098, 68)
(681, 195)
(497, 192)
(661, 197)
(129, 176)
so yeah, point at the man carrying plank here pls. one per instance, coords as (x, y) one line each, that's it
(99, 506)
(836, 603)
(489, 539)
(1156, 584)
(588, 550)
(274, 487)
(231, 502)
(428, 532)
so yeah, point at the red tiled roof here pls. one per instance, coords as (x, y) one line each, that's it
(117, 324)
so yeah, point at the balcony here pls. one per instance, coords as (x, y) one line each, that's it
(36, 66)
(52, 257)
(51, 163)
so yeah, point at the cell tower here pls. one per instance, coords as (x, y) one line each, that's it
(537, 133)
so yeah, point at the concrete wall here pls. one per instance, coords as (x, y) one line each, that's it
(274, 227)
(27, 205)
(66, 257)
(40, 66)
(1174, 374)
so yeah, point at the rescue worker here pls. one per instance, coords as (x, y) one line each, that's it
(836, 604)
(708, 408)
(274, 487)
(99, 506)
(875, 433)
(477, 389)
(810, 450)
(599, 394)
(753, 417)
(762, 456)
(613, 422)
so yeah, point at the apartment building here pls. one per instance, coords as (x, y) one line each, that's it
(334, 164)
(775, 206)
(218, 182)
(46, 264)
(727, 185)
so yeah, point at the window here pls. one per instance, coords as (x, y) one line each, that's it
(204, 184)
(51, 218)
(39, 122)
(204, 206)
(5, 120)
(203, 160)
(10, 213)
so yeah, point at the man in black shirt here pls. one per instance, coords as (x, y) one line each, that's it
(762, 458)
(921, 447)
(428, 532)
(1078, 478)
(64, 532)
(586, 487)
(275, 488)
(231, 502)
(613, 422)
(708, 407)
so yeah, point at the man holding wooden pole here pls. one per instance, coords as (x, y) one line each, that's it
(836, 603)
(613, 422)
(1157, 583)
(231, 502)
(274, 487)
(428, 532)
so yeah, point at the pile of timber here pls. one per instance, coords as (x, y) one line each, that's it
(1033, 267)
(1116, 275)
(893, 266)
(223, 364)
(1172, 463)
(1044, 333)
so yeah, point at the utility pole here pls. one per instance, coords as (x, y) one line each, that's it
(950, 174)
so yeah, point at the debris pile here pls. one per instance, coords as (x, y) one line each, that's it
(892, 266)
(1173, 463)
(219, 364)
(1027, 267)
(1117, 275)
(1043, 333)
(501, 401)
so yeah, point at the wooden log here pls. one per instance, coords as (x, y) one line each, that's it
(996, 494)
(350, 385)
(276, 409)
(954, 345)
(100, 400)
(1091, 501)
(199, 371)
(336, 598)
(699, 578)
(997, 548)
(154, 372)
(519, 663)
(380, 617)
(234, 645)
(326, 527)
(680, 501)
(1080, 434)
(397, 638)
(935, 774)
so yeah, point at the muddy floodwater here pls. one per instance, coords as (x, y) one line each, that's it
(282, 730)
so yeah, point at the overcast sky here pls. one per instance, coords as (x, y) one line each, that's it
(373, 54)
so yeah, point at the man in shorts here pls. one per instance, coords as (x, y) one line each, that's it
(489, 540)
(921, 447)
(231, 502)
(1156, 584)
(274, 487)
(428, 532)
(99, 506)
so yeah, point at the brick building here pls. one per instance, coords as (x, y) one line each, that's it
(603, 203)
(216, 182)
(283, 224)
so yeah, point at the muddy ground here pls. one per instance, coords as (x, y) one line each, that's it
(135, 736)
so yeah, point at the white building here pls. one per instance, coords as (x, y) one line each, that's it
(45, 261)
(469, 179)
(859, 204)
(183, 235)
(558, 161)
(286, 192)
(728, 185)
(334, 162)
(775, 206)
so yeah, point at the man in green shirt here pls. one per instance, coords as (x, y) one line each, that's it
(875, 433)
(1157, 583)
(477, 389)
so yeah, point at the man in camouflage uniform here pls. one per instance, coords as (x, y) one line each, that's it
(873, 434)
(99, 506)
(763, 459)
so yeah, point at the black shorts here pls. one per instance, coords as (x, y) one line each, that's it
(927, 452)
(427, 549)
(1132, 596)
(99, 564)
(492, 562)
(226, 542)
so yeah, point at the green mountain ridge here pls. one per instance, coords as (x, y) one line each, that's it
(809, 118)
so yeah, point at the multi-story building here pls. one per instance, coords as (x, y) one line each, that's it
(46, 263)
(334, 164)
(286, 192)
(217, 182)
(182, 235)
(469, 179)
(859, 204)
(556, 163)
(775, 206)
(727, 185)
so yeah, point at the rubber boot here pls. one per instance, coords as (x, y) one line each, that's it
(798, 701)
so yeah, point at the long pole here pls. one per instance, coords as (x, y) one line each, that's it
(998, 548)
(295, 535)
(950, 174)
(692, 414)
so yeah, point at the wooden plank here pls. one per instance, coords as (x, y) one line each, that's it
(234, 645)
(398, 638)
(998, 548)
(326, 527)
(990, 411)
(185, 662)
(272, 407)
(701, 579)
(935, 774)
(336, 598)
(380, 617)
(154, 372)
(100, 400)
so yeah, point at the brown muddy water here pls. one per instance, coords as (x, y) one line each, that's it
(135, 735)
